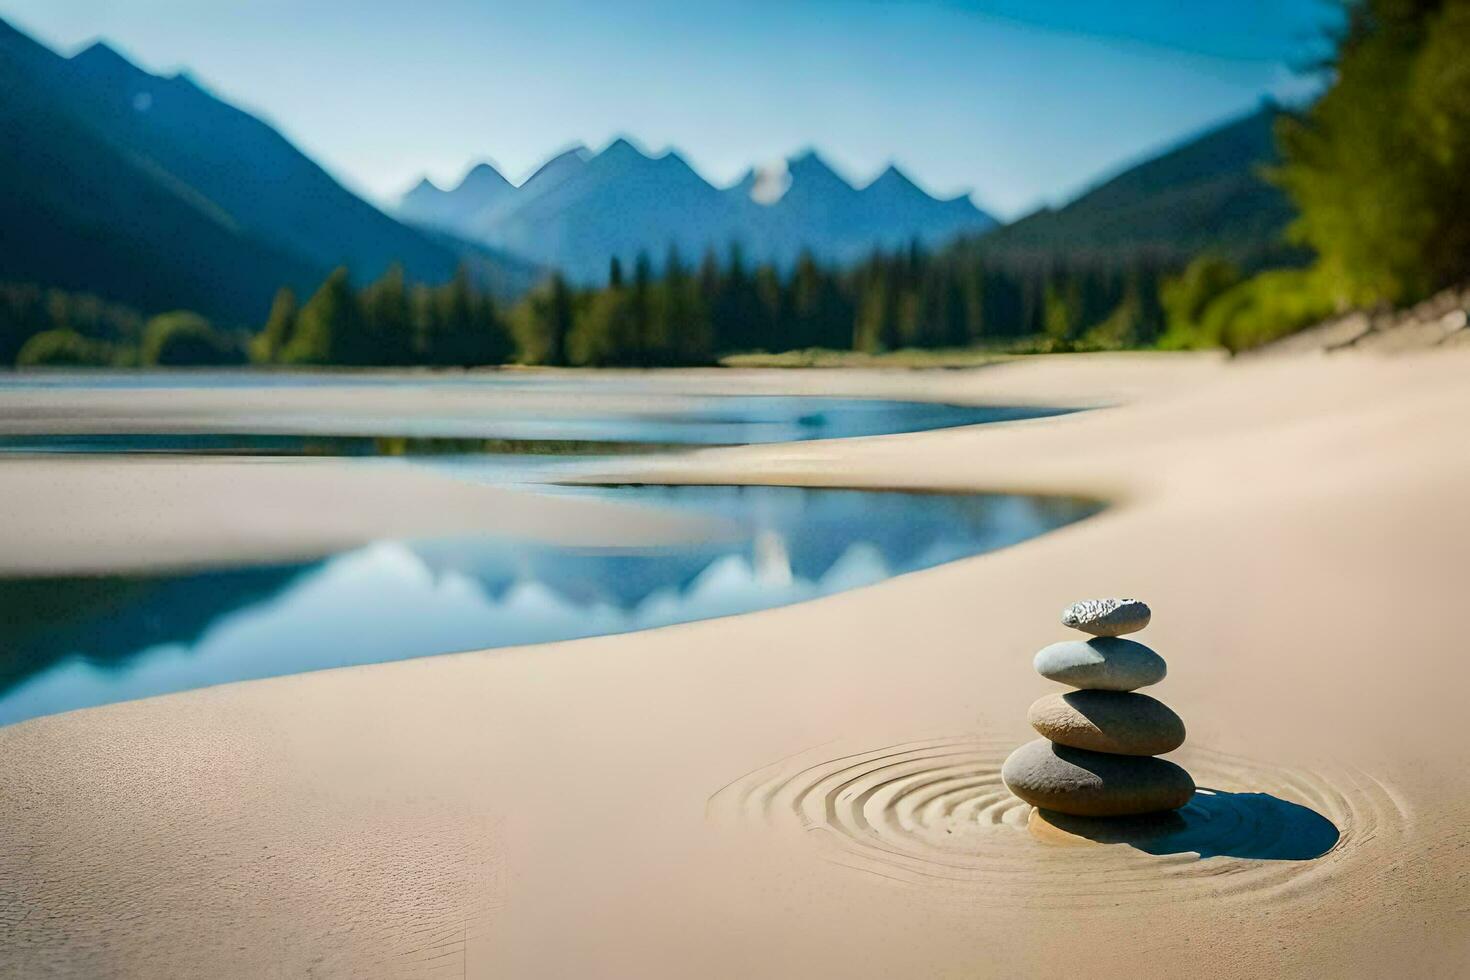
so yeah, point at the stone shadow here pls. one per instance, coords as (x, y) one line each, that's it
(1215, 823)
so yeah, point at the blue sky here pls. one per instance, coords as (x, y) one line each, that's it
(1021, 102)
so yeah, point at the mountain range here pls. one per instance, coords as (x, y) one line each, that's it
(580, 208)
(152, 191)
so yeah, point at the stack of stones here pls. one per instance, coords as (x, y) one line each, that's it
(1095, 758)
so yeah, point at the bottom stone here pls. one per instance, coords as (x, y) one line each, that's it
(1138, 829)
(1094, 784)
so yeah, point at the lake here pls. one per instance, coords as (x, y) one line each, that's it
(78, 641)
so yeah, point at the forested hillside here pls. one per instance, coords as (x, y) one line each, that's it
(150, 191)
(1208, 193)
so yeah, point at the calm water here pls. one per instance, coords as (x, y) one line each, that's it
(73, 642)
(76, 642)
(729, 420)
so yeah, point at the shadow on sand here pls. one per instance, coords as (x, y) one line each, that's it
(1214, 824)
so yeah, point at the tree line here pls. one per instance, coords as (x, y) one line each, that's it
(682, 316)
(694, 315)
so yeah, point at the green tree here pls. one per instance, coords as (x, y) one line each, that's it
(460, 326)
(280, 327)
(768, 318)
(329, 329)
(390, 337)
(452, 339)
(544, 321)
(1062, 310)
(876, 326)
(737, 315)
(559, 319)
(1125, 326)
(1269, 305)
(687, 334)
(497, 345)
(63, 348)
(186, 339)
(641, 310)
(1379, 167)
(603, 332)
(1186, 296)
(816, 313)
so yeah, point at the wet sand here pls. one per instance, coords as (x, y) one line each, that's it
(812, 791)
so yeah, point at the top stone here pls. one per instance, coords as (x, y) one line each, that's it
(1107, 617)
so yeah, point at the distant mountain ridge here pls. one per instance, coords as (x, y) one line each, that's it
(580, 209)
(1206, 192)
(150, 190)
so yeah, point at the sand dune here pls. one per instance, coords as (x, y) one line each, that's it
(813, 791)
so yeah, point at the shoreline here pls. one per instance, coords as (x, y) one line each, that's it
(1099, 379)
(556, 810)
(224, 510)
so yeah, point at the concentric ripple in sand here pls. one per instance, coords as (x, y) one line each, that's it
(935, 813)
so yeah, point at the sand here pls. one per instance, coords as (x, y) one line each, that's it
(811, 791)
(73, 515)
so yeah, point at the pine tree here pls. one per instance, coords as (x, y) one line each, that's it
(766, 313)
(684, 333)
(975, 300)
(641, 312)
(329, 329)
(389, 320)
(559, 320)
(808, 304)
(602, 331)
(873, 327)
(280, 327)
(496, 345)
(451, 342)
(1061, 309)
(733, 307)
(457, 324)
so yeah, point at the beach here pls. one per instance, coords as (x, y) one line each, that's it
(810, 790)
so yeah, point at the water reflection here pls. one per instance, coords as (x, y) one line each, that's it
(83, 641)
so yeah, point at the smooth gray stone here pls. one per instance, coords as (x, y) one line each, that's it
(1103, 663)
(1094, 784)
(1107, 617)
(1108, 721)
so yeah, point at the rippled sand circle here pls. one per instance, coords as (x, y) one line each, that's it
(935, 813)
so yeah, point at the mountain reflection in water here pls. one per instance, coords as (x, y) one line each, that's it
(74, 642)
